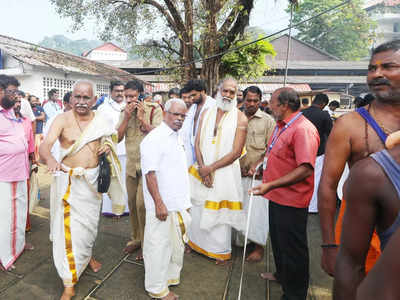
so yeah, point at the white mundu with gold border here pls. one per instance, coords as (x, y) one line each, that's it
(77, 204)
(216, 210)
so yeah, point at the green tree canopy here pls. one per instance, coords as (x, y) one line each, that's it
(347, 32)
(247, 62)
(179, 29)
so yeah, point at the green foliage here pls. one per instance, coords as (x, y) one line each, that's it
(248, 62)
(62, 43)
(347, 32)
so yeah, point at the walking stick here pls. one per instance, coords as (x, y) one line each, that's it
(247, 231)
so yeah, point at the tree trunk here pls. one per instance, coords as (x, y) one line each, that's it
(210, 73)
(210, 69)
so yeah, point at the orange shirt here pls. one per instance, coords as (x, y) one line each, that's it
(296, 145)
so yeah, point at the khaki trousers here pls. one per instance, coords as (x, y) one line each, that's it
(137, 211)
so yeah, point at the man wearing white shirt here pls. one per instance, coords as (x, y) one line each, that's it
(53, 106)
(201, 102)
(167, 198)
(112, 108)
(26, 109)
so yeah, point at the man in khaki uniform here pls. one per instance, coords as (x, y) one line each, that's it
(260, 128)
(136, 121)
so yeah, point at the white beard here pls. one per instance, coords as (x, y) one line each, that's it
(225, 105)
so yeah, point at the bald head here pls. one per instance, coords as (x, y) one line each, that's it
(82, 97)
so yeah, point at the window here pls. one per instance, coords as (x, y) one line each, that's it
(62, 85)
(396, 27)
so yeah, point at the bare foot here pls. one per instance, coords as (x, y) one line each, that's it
(188, 249)
(94, 265)
(171, 296)
(29, 246)
(268, 276)
(131, 248)
(69, 292)
(256, 255)
(139, 257)
(222, 262)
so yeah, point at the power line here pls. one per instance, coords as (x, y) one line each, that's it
(247, 44)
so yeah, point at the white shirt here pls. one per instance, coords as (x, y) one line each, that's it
(52, 109)
(186, 132)
(55, 151)
(162, 151)
(113, 109)
(26, 110)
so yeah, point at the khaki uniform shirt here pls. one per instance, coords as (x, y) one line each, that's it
(260, 128)
(134, 135)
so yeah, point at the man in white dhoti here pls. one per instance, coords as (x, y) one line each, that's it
(196, 89)
(83, 136)
(14, 172)
(167, 198)
(216, 188)
(112, 107)
(261, 126)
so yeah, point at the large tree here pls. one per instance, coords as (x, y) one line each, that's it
(182, 29)
(346, 32)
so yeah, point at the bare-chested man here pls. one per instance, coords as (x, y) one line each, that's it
(353, 138)
(83, 136)
(216, 189)
(377, 178)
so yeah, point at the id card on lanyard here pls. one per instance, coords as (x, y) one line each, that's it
(277, 133)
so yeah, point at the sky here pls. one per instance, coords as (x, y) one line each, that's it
(32, 20)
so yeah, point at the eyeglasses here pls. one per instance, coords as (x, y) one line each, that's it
(183, 116)
(11, 92)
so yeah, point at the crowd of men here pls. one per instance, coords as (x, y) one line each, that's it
(187, 170)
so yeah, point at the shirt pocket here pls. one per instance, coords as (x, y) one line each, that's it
(259, 141)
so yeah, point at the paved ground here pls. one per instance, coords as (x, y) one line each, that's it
(122, 278)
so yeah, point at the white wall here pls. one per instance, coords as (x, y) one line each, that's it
(40, 80)
(107, 55)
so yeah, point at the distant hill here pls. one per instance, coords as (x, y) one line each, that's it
(62, 43)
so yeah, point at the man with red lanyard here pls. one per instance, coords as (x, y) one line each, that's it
(288, 183)
(13, 175)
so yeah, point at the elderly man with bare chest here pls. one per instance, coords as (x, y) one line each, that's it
(83, 136)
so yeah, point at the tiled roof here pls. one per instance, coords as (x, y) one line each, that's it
(40, 56)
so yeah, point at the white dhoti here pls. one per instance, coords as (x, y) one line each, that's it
(319, 163)
(219, 208)
(163, 250)
(259, 225)
(75, 221)
(13, 212)
(107, 203)
(215, 243)
(77, 204)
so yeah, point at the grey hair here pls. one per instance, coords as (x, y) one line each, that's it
(83, 81)
(169, 103)
(228, 79)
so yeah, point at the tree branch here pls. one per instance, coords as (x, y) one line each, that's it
(180, 25)
(169, 47)
(242, 20)
(164, 12)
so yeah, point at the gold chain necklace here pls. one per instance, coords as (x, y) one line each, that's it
(385, 130)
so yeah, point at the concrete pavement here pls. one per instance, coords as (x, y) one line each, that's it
(122, 278)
